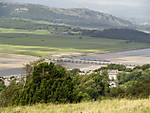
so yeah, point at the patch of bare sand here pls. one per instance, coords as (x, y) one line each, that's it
(66, 54)
(14, 61)
(145, 31)
(138, 60)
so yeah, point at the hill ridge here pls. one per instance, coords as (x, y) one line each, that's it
(73, 16)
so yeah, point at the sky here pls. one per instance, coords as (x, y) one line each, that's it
(120, 8)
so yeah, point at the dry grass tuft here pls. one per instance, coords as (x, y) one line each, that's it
(105, 106)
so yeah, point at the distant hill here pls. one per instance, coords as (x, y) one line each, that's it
(75, 17)
(130, 35)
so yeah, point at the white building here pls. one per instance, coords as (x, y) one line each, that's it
(113, 77)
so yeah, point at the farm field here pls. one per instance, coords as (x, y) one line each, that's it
(43, 43)
(105, 106)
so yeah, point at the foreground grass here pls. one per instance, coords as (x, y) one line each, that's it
(105, 106)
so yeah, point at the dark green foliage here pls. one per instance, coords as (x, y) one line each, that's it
(2, 85)
(132, 90)
(75, 71)
(144, 67)
(117, 66)
(7, 93)
(138, 89)
(131, 35)
(117, 92)
(136, 75)
(93, 86)
(48, 83)
(128, 70)
(133, 85)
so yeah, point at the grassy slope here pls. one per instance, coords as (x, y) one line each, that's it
(41, 42)
(105, 106)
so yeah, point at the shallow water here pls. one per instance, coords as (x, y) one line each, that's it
(141, 52)
(12, 71)
(111, 56)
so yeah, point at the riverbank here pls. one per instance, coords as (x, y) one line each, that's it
(137, 57)
(12, 64)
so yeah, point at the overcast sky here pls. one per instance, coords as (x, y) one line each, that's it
(122, 8)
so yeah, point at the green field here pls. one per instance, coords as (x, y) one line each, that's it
(42, 43)
(105, 106)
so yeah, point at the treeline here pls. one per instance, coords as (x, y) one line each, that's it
(135, 84)
(50, 83)
(132, 83)
(122, 34)
(118, 67)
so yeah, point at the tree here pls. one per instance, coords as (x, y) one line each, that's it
(48, 83)
(7, 94)
(2, 86)
(137, 89)
(75, 71)
(133, 76)
(94, 85)
(117, 66)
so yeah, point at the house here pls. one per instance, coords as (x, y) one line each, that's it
(113, 77)
(113, 74)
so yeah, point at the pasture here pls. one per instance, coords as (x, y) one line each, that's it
(43, 43)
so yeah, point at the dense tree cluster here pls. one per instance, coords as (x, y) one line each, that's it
(118, 67)
(133, 85)
(93, 86)
(50, 83)
(131, 35)
(7, 94)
